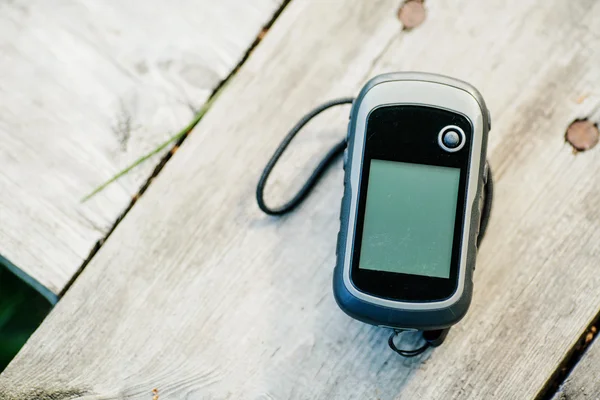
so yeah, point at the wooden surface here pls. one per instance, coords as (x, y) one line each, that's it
(584, 380)
(86, 87)
(200, 296)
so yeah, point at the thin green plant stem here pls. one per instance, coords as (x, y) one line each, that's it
(158, 149)
(137, 162)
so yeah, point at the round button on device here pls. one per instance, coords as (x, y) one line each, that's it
(451, 138)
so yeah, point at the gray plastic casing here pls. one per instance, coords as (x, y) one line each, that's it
(411, 88)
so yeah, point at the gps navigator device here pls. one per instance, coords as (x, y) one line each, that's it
(414, 173)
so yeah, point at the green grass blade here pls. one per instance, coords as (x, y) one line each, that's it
(137, 162)
(158, 149)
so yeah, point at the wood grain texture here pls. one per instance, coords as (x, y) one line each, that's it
(87, 87)
(199, 295)
(584, 380)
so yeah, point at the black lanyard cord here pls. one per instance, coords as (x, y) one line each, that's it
(406, 353)
(317, 173)
(432, 339)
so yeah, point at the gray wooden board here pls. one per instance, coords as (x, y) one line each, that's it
(87, 87)
(200, 296)
(584, 380)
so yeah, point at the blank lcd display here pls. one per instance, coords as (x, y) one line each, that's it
(409, 218)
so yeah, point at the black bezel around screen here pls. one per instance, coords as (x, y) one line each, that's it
(409, 134)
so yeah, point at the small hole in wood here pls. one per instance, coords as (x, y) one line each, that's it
(412, 14)
(582, 134)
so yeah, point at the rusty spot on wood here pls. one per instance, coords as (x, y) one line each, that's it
(582, 134)
(412, 14)
(581, 98)
(262, 33)
(590, 335)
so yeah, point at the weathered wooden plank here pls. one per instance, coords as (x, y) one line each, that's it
(86, 87)
(584, 381)
(199, 295)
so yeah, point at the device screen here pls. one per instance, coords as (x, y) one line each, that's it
(411, 203)
(409, 218)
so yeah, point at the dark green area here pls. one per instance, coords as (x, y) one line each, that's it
(22, 310)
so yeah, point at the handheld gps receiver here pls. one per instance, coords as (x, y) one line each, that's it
(414, 173)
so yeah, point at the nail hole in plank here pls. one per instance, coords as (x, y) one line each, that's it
(412, 14)
(582, 134)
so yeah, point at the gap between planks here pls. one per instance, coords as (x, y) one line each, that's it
(573, 357)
